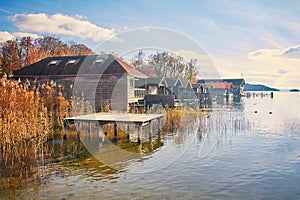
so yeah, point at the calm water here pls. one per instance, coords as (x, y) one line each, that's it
(247, 150)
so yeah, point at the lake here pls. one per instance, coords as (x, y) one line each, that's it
(236, 150)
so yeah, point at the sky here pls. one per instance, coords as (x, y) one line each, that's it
(254, 39)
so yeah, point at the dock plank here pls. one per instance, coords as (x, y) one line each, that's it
(116, 117)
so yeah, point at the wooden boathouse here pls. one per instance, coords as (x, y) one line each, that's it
(103, 80)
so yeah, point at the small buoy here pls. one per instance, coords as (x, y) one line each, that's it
(255, 111)
(270, 112)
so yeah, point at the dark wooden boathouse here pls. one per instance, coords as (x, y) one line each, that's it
(103, 80)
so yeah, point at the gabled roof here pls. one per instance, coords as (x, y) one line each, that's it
(217, 85)
(53, 66)
(129, 69)
(186, 83)
(156, 81)
(78, 65)
(173, 82)
(233, 81)
(198, 85)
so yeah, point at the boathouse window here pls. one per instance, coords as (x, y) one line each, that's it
(54, 62)
(131, 83)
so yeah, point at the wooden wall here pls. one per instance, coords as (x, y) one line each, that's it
(102, 93)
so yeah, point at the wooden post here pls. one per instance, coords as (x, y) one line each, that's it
(159, 125)
(90, 129)
(115, 129)
(151, 128)
(101, 131)
(78, 128)
(128, 129)
(65, 129)
(139, 133)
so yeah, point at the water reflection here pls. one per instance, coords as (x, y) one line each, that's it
(63, 160)
(224, 152)
(274, 117)
(125, 152)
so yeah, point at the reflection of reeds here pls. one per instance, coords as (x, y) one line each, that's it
(223, 122)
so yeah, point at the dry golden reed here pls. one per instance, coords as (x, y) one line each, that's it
(172, 119)
(29, 113)
(24, 124)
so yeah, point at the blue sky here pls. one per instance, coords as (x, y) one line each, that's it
(259, 38)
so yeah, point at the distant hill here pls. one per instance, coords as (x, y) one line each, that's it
(258, 87)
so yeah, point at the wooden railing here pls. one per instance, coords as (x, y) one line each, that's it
(139, 93)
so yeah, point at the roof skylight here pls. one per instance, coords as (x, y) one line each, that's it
(99, 60)
(54, 62)
(73, 61)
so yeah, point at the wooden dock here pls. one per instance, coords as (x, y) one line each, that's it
(140, 120)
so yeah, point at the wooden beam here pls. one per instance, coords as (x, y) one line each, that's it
(139, 133)
(151, 128)
(115, 129)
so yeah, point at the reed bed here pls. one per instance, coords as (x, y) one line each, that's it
(176, 117)
(29, 114)
(25, 125)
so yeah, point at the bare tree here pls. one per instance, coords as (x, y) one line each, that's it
(138, 59)
(191, 71)
(168, 65)
(80, 49)
(50, 46)
(11, 56)
(15, 54)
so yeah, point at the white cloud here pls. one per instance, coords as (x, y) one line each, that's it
(264, 52)
(292, 52)
(272, 67)
(279, 67)
(81, 17)
(22, 34)
(5, 11)
(4, 35)
(61, 24)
